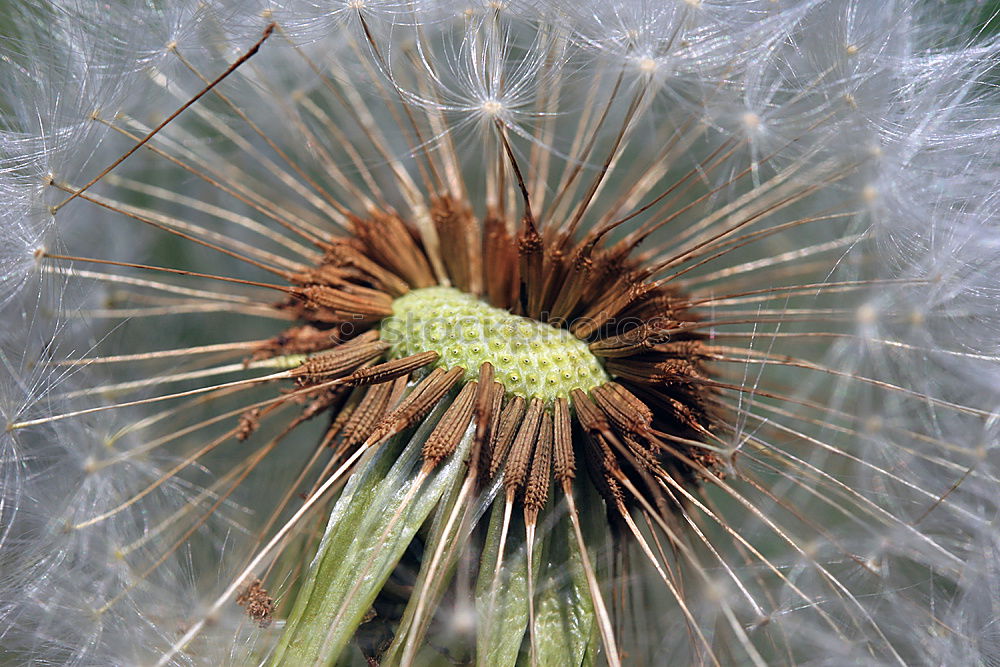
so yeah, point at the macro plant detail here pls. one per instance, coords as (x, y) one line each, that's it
(499, 333)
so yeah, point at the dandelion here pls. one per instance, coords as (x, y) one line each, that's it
(500, 333)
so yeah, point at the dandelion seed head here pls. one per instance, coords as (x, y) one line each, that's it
(783, 448)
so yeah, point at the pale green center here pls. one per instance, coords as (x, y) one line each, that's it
(529, 358)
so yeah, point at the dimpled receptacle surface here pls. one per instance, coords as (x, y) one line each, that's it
(529, 358)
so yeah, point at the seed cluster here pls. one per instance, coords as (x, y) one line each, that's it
(560, 358)
(562, 354)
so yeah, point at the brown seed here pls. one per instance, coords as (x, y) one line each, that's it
(345, 304)
(344, 415)
(516, 470)
(643, 454)
(341, 253)
(417, 404)
(573, 285)
(324, 400)
(608, 306)
(249, 422)
(485, 454)
(589, 415)
(530, 250)
(555, 267)
(636, 341)
(483, 414)
(500, 259)
(603, 468)
(460, 242)
(667, 371)
(622, 407)
(389, 242)
(683, 349)
(690, 414)
(562, 437)
(393, 369)
(505, 431)
(337, 362)
(323, 274)
(258, 604)
(659, 303)
(398, 390)
(304, 339)
(449, 430)
(536, 493)
(370, 409)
